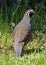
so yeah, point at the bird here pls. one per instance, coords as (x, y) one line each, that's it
(22, 32)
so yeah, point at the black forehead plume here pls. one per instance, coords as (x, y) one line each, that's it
(31, 13)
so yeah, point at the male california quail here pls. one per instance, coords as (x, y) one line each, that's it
(21, 33)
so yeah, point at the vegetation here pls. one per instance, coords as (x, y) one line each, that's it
(35, 50)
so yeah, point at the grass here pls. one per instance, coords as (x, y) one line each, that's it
(26, 59)
(31, 54)
(35, 51)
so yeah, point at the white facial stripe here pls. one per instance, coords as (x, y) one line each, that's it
(31, 10)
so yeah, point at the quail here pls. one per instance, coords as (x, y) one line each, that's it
(22, 31)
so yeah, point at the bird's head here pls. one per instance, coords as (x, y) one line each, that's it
(29, 13)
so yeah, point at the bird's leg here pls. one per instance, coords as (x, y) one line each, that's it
(18, 49)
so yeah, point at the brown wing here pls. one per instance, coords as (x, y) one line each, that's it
(21, 32)
(24, 33)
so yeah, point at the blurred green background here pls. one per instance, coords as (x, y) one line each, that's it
(11, 12)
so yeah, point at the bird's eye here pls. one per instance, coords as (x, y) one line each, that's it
(28, 14)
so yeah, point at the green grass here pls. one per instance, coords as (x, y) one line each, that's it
(35, 51)
(31, 54)
(26, 59)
